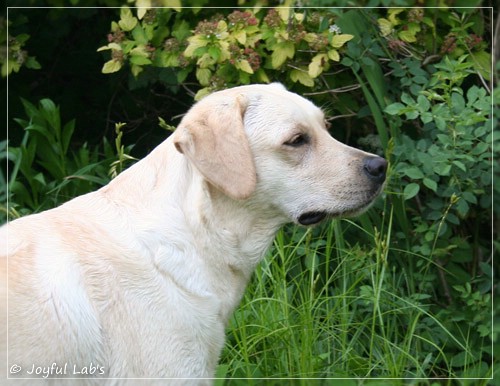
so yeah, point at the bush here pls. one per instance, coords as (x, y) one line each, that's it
(225, 50)
(45, 172)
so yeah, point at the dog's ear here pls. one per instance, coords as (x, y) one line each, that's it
(212, 137)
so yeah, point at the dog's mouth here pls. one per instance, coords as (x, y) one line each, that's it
(315, 217)
(311, 218)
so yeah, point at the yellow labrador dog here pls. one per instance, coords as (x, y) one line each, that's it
(139, 278)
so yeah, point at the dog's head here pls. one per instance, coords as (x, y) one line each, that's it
(262, 142)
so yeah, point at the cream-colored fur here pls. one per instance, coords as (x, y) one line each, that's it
(138, 279)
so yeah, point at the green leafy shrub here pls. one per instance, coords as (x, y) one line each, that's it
(447, 163)
(15, 57)
(455, 149)
(223, 51)
(45, 171)
(428, 35)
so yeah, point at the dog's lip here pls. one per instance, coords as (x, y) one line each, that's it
(315, 217)
(311, 218)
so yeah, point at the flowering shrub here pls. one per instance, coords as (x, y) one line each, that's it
(16, 56)
(414, 32)
(224, 51)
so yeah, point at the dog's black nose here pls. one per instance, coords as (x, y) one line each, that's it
(375, 168)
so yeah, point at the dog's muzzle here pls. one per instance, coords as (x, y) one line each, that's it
(375, 168)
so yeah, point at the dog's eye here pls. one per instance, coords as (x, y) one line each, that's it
(298, 140)
(327, 124)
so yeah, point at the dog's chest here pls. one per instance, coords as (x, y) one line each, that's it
(160, 329)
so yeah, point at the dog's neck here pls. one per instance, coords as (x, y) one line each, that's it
(232, 236)
(190, 229)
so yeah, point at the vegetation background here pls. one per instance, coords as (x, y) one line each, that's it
(405, 294)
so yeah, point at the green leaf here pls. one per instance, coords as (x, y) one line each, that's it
(165, 125)
(42, 130)
(442, 169)
(157, 34)
(482, 63)
(472, 95)
(111, 66)
(367, 61)
(175, 4)
(411, 113)
(385, 27)
(139, 35)
(462, 207)
(301, 77)
(67, 133)
(244, 66)
(409, 34)
(460, 165)
(32, 63)
(316, 65)
(339, 40)
(205, 61)
(426, 117)
(135, 69)
(414, 173)
(377, 82)
(40, 178)
(282, 52)
(262, 76)
(143, 8)
(423, 103)
(51, 114)
(110, 46)
(458, 102)
(181, 30)
(195, 42)
(139, 60)
(406, 98)
(127, 20)
(203, 75)
(240, 36)
(346, 61)
(166, 59)
(469, 197)
(410, 191)
(10, 66)
(22, 38)
(29, 108)
(140, 51)
(334, 55)
(203, 92)
(183, 74)
(114, 26)
(431, 184)
(420, 80)
(214, 52)
(481, 147)
(440, 123)
(376, 108)
(395, 108)
(284, 11)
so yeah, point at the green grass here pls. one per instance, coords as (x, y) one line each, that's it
(322, 307)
